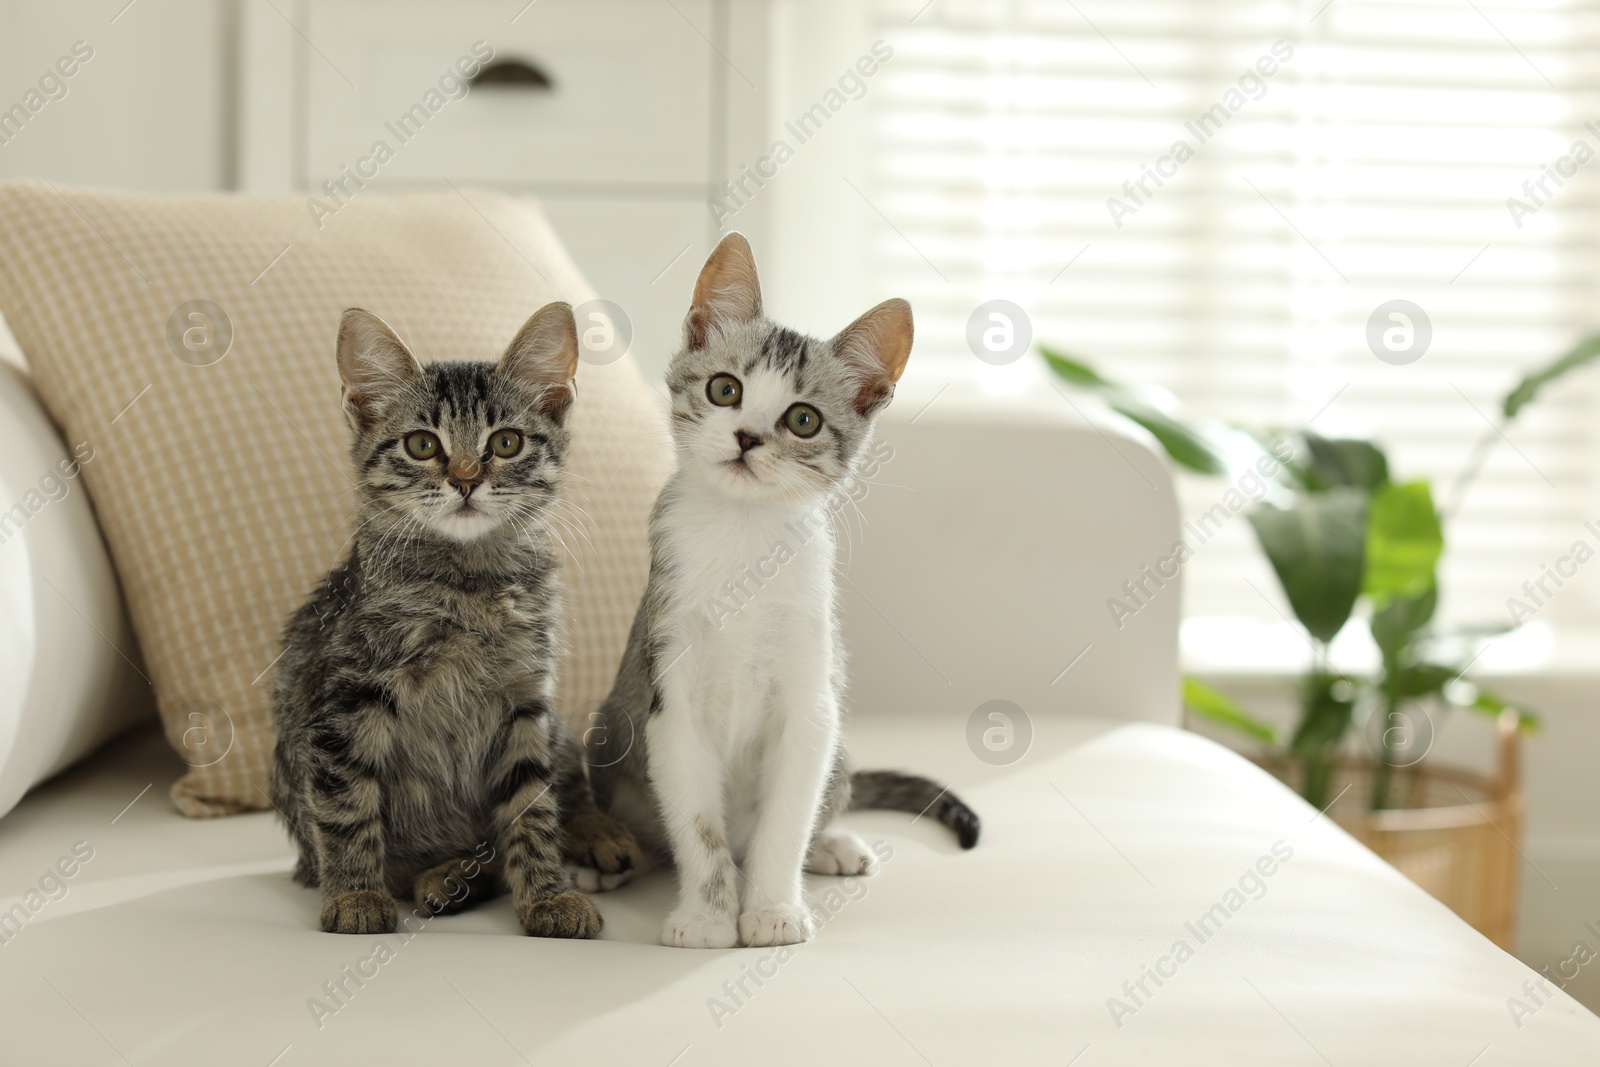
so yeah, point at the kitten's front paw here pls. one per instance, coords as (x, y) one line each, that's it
(563, 915)
(688, 928)
(840, 852)
(362, 911)
(601, 844)
(775, 924)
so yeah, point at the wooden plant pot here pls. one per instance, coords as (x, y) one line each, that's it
(1455, 833)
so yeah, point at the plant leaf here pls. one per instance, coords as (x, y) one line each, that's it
(1404, 542)
(1344, 461)
(1214, 706)
(1186, 447)
(1325, 715)
(1491, 705)
(1394, 624)
(1424, 678)
(1317, 547)
(1073, 370)
(1582, 354)
(1199, 446)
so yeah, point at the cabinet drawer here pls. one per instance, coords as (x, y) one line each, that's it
(630, 102)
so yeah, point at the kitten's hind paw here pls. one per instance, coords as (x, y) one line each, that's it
(563, 915)
(603, 844)
(688, 928)
(592, 880)
(775, 924)
(455, 886)
(361, 911)
(840, 852)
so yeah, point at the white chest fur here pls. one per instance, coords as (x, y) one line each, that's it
(732, 564)
(749, 621)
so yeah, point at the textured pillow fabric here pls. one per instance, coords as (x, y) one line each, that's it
(190, 341)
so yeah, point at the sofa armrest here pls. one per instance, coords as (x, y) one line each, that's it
(66, 648)
(981, 555)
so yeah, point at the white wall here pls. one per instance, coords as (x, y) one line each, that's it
(812, 213)
(152, 110)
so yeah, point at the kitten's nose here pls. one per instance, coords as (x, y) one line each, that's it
(466, 475)
(746, 440)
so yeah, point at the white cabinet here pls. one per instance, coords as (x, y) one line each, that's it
(627, 103)
(647, 106)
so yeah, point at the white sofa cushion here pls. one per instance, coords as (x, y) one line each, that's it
(187, 943)
(67, 657)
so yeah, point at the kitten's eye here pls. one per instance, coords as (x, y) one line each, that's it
(505, 443)
(422, 445)
(803, 420)
(724, 390)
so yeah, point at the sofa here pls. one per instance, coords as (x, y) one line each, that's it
(1139, 894)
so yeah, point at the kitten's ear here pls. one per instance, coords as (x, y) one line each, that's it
(373, 364)
(728, 291)
(544, 354)
(877, 345)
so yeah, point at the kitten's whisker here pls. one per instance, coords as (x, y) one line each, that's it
(553, 522)
(553, 512)
(410, 529)
(581, 518)
(552, 535)
(361, 525)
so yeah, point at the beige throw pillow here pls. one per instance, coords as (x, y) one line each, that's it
(191, 340)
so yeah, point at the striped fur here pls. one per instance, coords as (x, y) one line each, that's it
(911, 792)
(415, 728)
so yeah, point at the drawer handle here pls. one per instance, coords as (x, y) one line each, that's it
(513, 74)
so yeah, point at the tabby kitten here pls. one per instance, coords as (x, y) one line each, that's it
(416, 736)
(731, 718)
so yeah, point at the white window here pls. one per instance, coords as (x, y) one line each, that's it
(1344, 155)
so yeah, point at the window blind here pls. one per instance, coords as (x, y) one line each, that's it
(1340, 156)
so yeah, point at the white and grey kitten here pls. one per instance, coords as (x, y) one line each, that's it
(731, 720)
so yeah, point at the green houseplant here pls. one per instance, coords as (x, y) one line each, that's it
(1345, 540)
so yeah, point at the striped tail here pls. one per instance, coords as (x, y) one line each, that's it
(909, 792)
